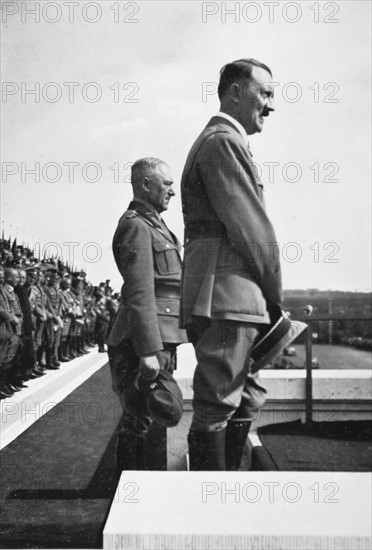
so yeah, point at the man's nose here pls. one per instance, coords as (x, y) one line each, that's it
(171, 192)
(268, 109)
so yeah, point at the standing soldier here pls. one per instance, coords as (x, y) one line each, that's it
(231, 277)
(11, 330)
(9, 340)
(31, 280)
(54, 322)
(27, 355)
(67, 313)
(145, 333)
(77, 328)
(91, 315)
(39, 301)
(103, 320)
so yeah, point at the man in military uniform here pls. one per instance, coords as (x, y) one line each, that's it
(103, 319)
(9, 340)
(232, 271)
(67, 313)
(146, 332)
(27, 357)
(91, 315)
(10, 334)
(39, 301)
(31, 280)
(77, 328)
(54, 322)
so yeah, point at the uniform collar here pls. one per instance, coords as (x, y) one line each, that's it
(147, 211)
(153, 217)
(150, 210)
(237, 125)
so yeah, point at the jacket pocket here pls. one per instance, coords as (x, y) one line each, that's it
(168, 306)
(166, 258)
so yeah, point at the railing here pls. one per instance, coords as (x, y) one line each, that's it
(309, 355)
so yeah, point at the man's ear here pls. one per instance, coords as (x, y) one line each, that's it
(235, 92)
(146, 185)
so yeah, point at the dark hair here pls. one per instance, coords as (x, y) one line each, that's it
(237, 70)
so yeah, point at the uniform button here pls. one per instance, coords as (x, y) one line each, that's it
(167, 246)
(167, 310)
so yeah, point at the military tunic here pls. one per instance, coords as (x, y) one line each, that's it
(148, 257)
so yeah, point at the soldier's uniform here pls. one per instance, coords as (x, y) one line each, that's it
(67, 309)
(91, 317)
(53, 324)
(39, 301)
(230, 276)
(10, 333)
(28, 359)
(77, 327)
(148, 257)
(102, 324)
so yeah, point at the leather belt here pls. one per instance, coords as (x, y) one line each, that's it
(167, 291)
(204, 229)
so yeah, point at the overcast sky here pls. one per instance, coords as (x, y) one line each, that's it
(153, 69)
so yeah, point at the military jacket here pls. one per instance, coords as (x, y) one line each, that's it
(7, 314)
(148, 257)
(231, 263)
(67, 303)
(13, 304)
(55, 301)
(22, 294)
(38, 300)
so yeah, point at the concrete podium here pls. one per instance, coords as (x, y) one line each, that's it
(240, 511)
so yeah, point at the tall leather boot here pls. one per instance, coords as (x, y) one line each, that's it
(49, 359)
(236, 436)
(70, 348)
(39, 357)
(63, 349)
(207, 450)
(91, 342)
(55, 352)
(60, 352)
(156, 448)
(82, 348)
(5, 389)
(77, 351)
(130, 452)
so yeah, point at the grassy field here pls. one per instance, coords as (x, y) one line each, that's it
(335, 357)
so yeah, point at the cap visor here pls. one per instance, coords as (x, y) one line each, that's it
(293, 332)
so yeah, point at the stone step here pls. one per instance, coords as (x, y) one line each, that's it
(240, 510)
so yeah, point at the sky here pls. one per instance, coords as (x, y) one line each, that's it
(117, 81)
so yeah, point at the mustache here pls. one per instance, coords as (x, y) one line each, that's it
(266, 111)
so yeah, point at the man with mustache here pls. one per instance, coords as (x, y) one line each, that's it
(231, 271)
(145, 333)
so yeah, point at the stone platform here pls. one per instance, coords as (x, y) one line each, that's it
(240, 511)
